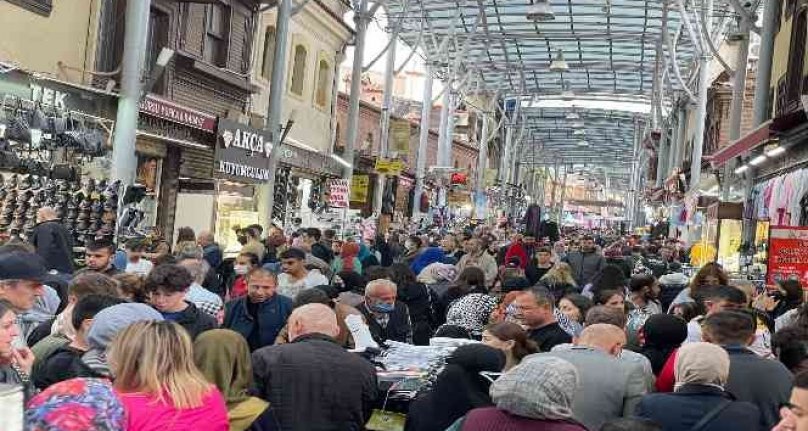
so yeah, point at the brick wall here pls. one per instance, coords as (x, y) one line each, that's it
(463, 156)
(719, 111)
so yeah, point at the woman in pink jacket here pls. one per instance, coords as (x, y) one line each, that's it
(158, 383)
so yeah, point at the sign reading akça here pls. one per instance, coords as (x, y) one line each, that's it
(242, 152)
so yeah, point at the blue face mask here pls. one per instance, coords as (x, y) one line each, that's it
(383, 307)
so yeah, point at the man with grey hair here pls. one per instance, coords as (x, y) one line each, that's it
(211, 280)
(387, 318)
(206, 300)
(210, 249)
(313, 383)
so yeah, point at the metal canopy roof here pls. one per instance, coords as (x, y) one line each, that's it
(611, 48)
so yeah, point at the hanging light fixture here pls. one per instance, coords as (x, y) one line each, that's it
(582, 143)
(573, 116)
(540, 10)
(579, 132)
(577, 124)
(559, 64)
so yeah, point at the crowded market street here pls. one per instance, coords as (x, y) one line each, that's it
(403, 215)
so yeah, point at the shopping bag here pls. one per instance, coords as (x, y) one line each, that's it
(383, 420)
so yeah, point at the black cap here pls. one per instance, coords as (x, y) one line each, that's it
(18, 265)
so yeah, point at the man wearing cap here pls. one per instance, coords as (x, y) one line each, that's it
(21, 275)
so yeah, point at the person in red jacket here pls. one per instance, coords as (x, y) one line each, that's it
(517, 249)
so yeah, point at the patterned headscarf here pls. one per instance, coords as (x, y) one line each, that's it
(437, 273)
(76, 404)
(540, 387)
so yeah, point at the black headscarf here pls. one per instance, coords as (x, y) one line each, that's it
(663, 333)
(458, 389)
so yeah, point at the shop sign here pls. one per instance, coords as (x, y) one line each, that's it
(400, 133)
(389, 166)
(242, 152)
(55, 94)
(359, 188)
(171, 111)
(788, 254)
(338, 192)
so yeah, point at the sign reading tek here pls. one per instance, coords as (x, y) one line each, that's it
(242, 152)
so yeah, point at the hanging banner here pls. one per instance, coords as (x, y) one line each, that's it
(400, 135)
(788, 254)
(338, 191)
(359, 188)
(388, 166)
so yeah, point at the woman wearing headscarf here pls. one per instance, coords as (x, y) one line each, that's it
(536, 395)
(699, 400)
(458, 388)
(76, 404)
(348, 259)
(427, 257)
(223, 357)
(662, 334)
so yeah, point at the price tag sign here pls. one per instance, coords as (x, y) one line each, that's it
(338, 192)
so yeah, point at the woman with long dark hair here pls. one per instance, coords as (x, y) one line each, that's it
(419, 302)
(511, 339)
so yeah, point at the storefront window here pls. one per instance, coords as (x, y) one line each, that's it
(236, 207)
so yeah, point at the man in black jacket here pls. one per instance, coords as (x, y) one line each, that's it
(312, 383)
(763, 382)
(387, 318)
(52, 241)
(311, 241)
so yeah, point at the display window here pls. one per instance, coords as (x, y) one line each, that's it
(236, 207)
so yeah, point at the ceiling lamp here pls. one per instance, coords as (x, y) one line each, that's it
(579, 132)
(758, 160)
(573, 116)
(582, 143)
(540, 10)
(775, 151)
(559, 64)
(741, 169)
(578, 124)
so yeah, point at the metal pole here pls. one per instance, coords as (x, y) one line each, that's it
(276, 92)
(361, 17)
(701, 113)
(736, 106)
(679, 137)
(423, 142)
(482, 165)
(442, 160)
(662, 157)
(448, 145)
(124, 160)
(387, 103)
(764, 65)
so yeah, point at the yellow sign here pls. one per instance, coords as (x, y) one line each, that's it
(490, 177)
(389, 167)
(400, 136)
(359, 188)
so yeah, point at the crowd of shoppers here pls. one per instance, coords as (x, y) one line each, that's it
(588, 333)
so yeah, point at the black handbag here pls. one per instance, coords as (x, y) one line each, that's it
(93, 143)
(18, 127)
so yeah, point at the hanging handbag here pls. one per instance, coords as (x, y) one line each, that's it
(73, 136)
(18, 128)
(93, 143)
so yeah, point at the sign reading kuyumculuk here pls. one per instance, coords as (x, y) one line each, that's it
(242, 152)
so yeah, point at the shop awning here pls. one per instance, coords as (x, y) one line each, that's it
(752, 140)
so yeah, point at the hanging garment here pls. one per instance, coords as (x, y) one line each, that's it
(533, 221)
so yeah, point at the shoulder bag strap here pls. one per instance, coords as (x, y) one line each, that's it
(712, 414)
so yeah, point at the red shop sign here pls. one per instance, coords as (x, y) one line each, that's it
(171, 111)
(788, 254)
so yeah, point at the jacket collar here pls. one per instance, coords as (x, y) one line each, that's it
(736, 349)
(696, 389)
(313, 337)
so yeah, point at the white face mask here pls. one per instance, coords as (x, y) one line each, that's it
(241, 269)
